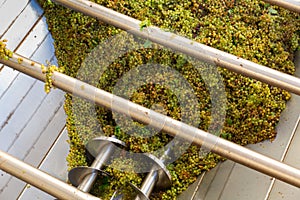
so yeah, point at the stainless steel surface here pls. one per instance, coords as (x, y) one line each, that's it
(140, 194)
(88, 181)
(95, 145)
(217, 145)
(77, 174)
(43, 181)
(158, 177)
(101, 148)
(149, 183)
(164, 179)
(186, 46)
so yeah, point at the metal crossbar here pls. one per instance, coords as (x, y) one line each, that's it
(40, 179)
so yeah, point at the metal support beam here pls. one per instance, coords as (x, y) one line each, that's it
(186, 46)
(217, 145)
(41, 180)
(289, 5)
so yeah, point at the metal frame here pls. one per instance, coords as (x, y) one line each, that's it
(220, 146)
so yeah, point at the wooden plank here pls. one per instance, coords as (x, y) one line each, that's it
(23, 24)
(34, 126)
(31, 144)
(12, 98)
(45, 130)
(213, 185)
(234, 181)
(28, 48)
(20, 117)
(37, 139)
(10, 11)
(18, 91)
(15, 35)
(295, 2)
(281, 190)
(54, 164)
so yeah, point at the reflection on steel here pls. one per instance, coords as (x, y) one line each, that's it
(158, 177)
(217, 145)
(40, 179)
(186, 46)
(101, 148)
(290, 5)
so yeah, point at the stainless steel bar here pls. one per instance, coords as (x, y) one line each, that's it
(149, 183)
(218, 145)
(89, 180)
(41, 180)
(186, 46)
(289, 5)
(101, 148)
(158, 177)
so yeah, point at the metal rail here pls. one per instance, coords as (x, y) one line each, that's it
(289, 5)
(41, 180)
(186, 46)
(217, 145)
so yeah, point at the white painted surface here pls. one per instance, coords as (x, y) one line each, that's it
(31, 121)
(54, 165)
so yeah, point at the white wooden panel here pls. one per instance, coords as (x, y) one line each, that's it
(36, 118)
(54, 164)
(23, 24)
(10, 9)
(213, 185)
(280, 189)
(250, 184)
(41, 146)
(13, 98)
(295, 2)
(45, 121)
(35, 125)
(234, 181)
(15, 35)
(39, 134)
(14, 126)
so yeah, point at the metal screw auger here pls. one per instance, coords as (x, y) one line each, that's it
(101, 148)
(158, 177)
